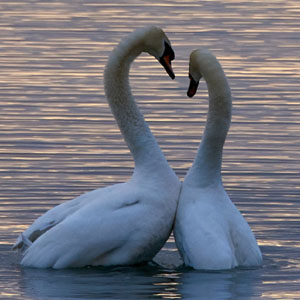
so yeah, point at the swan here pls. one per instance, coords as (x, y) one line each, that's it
(210, 232)
(125, 223)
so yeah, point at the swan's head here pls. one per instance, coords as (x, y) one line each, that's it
(157, 44)
(202, 63)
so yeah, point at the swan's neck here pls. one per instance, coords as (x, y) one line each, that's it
(131, 122)
(206, 168)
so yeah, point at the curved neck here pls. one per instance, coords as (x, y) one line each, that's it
(131, 122)
(207, 165)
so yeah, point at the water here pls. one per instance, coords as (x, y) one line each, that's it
(59, 140)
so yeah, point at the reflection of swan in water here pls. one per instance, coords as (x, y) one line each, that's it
(237, 284)
(125, 223)
(143, 282)
(210, 232)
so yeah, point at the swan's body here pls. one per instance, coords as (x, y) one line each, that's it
(209, 230)
(125, 223)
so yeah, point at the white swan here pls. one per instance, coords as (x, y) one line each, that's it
(209, 230)
(125, 223)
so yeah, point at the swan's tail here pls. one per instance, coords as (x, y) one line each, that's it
(22, 243)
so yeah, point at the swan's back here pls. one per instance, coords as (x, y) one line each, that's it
(121, 224)
(211, 233)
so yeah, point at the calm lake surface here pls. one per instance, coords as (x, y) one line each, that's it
(58, 138)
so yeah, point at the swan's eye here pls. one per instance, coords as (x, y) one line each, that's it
(192, 78)
(169, 52)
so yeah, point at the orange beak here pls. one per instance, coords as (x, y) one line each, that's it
(166, 59)
(166, 63)
(192, 87)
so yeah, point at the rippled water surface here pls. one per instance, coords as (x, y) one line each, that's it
(59, 139)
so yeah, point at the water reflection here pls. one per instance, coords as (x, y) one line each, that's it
(139, 283)
(238, 284)
(100, 283)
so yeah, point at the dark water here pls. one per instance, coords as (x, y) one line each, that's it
(58, 138)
